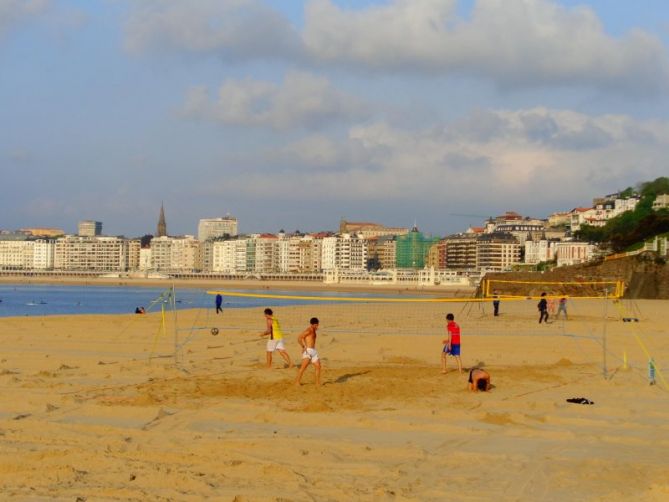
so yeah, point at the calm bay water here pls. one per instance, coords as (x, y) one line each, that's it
(48, 299)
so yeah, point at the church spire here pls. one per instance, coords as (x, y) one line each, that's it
(162, 226)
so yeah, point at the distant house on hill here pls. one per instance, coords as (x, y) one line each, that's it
(661, 202)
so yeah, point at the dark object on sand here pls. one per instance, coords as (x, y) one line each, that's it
(580, 400)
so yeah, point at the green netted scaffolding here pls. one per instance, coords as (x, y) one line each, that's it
(412, 249)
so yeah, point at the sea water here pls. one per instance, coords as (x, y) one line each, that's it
(48, 299)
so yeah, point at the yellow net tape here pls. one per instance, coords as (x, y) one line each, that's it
(387, 299)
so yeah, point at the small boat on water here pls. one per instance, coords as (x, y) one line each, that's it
(34, 303)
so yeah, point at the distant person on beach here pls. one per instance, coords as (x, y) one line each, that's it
(495, 304)
(543, 309)
(307, 341)
(562, 307)
(140, 310)
(479, 380)
(551, 306)
(275, 342)
(219, 303)
(451, 343)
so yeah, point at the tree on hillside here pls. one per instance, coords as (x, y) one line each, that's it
(654, 188)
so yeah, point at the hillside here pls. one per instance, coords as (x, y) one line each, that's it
(643, 275)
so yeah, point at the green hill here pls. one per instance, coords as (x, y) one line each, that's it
(632, 227)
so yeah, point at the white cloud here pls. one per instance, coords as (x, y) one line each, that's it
(524, 162)
(230, 29)
(512, 43)
(14, 11)
(302, 100)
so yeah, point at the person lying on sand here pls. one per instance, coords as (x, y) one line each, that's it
(479, 380)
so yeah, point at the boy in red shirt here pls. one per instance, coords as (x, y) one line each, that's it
(451, 343)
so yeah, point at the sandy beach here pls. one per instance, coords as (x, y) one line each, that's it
(95, 408)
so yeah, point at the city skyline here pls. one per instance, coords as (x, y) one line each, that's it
(388, 111)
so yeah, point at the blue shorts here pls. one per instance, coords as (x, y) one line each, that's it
(455, 350)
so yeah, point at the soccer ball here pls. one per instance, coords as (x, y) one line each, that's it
(214, 331)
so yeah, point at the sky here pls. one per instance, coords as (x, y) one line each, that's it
(291, 115)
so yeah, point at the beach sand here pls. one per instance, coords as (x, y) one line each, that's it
(95, 408)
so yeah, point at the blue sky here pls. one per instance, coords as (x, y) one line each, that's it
(292, 115)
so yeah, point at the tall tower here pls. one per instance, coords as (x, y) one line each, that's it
(161, 231)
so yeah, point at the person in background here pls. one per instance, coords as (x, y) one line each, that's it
(219, 303)
(275, 342)
(543, 309)
(451, 343)
(307, 341)
(562, 307)
(495, 304)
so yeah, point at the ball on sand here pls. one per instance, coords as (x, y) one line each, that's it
(214, 331)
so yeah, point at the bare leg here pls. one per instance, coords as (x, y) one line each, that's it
(317, 366)
(305, 363)
(457, 358)
(443, 362)
(268, 357)
(286, 358)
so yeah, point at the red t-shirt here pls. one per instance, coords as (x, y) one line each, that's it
(453, 332)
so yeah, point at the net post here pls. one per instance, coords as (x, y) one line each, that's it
(606, 300)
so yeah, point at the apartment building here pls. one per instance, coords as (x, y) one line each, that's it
(382, 251)
(266, 253)
(344, 251)
(309, 249)
(175, 254)
(458, 252)
(89, 228)
(559, 219)
(367, 230)
(17, 254)
(43, 254)
(74, 252)
(497, 252)
(212, 228)
(229, 256)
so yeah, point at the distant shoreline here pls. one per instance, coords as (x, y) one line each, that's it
(250, 284)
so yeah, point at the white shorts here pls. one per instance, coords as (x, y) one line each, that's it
(273, 345)
(310, 354)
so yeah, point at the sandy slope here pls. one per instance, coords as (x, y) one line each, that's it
(86, 412)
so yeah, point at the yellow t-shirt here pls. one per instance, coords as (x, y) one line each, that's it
(277, 334)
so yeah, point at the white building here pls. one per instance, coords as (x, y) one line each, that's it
(572, 253)
(90, 228)
(661, 202)
(345, 251)
(175, 254)
(43, 254)
(17, 254)
(497, 252)
(328, 253)
(266, 253)
(74, 252)
(602, 210)
(540, 251)
(145, 259)
(210, 228)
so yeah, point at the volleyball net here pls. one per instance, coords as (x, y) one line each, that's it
(593, 324)
(552, 289)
